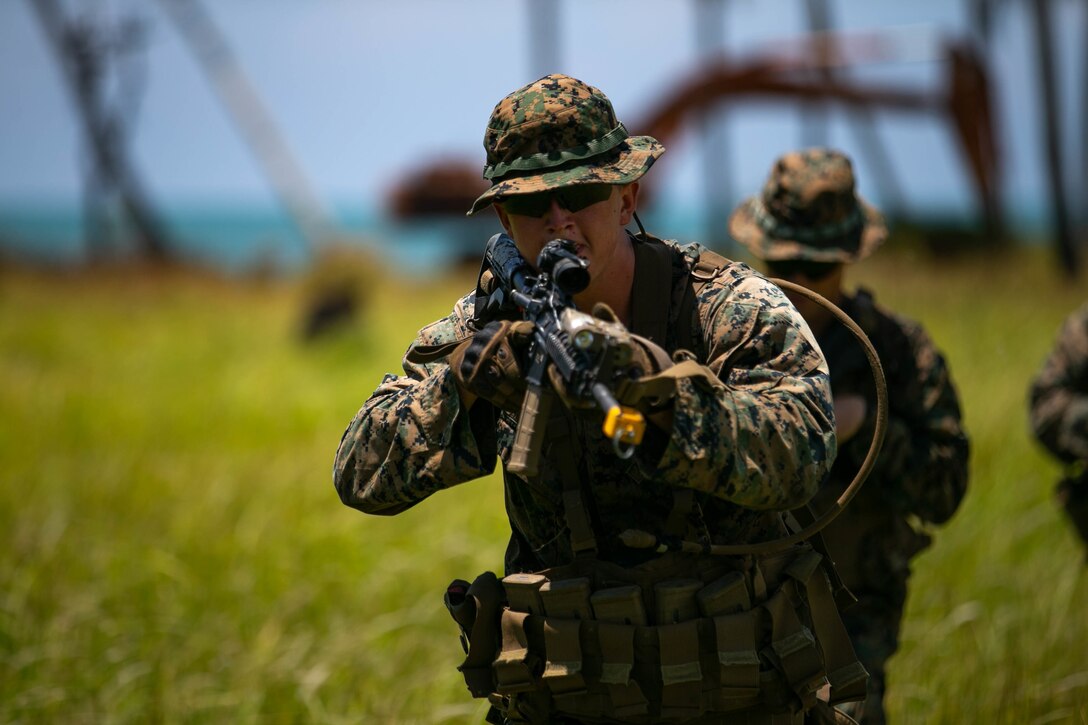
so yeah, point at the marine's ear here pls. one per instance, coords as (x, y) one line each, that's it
(504, 219)
(628, 202)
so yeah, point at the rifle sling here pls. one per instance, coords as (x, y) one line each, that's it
(430, 353)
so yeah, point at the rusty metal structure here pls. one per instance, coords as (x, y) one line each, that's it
(804, 72)
(963, 101)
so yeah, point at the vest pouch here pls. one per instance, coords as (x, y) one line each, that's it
(523, 592)
(517, 668)
(475, 608)
(572, 669)
(621, 605)
(738, 661)
(566, 598)
(674, 601)
(618, 611)
(725, 595)
(681, 672)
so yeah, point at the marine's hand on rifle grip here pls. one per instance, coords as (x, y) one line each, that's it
(489, 364)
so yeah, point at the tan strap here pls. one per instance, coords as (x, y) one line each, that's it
(793, 646)
(709, 265)
(846, 675)
(662, 385)
(805, 516)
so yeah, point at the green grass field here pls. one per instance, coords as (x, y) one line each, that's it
(173, 550)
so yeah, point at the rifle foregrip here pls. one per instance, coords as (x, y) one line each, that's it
(529, 438)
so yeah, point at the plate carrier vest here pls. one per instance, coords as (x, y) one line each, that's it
(680, 638)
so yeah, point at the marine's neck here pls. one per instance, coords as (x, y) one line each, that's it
(612, 283)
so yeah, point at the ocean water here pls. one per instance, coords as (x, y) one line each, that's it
(240, 238)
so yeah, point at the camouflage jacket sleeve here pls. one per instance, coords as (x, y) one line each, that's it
(763, 438)
(922, 467)
(1059, 393)
(933, 447)
(412, 437)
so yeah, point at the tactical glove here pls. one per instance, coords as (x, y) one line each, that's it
(637, 356)
(488, 364)
(652, 385)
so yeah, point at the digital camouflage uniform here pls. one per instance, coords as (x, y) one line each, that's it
(749, 450)
(809, 211)
(919, 477)
(758, 446)
(1059, 414)
(750, 439)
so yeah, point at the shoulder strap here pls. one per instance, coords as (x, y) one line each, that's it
(653, 283)
(706, 268)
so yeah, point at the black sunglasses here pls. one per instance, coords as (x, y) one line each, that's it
(571, 198)
(793, 268)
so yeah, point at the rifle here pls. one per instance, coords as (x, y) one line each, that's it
(590, 355)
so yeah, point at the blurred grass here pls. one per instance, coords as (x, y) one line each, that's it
(173, 550)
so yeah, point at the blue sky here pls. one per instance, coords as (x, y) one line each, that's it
(364, 91)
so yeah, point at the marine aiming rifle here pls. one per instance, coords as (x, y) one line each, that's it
(590, 355)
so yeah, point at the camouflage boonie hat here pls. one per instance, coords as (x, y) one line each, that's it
(809, 211)
(555, 132)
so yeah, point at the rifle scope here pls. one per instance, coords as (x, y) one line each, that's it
(559, 261)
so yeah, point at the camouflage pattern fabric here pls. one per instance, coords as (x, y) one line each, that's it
(1059, 415)
(1059, 393)
(920, 475)
(555, 132)
(809, 210)
(759, 444)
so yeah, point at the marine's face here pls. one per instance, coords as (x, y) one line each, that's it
(597, 230)
(825, 279)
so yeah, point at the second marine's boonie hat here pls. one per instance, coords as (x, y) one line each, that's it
(808, 210)
(556, 132)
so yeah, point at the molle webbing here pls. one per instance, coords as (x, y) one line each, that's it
(765, 640)
(757, 639)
